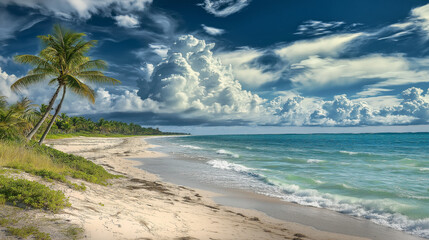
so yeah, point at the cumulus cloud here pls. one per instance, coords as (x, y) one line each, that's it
(315, 28)
(192, 84)
(107, 102)
(342, 111)
(80, 8)
(123, 101)
(5, 81)
(192, 81)
(127, 21)
(224, 8)
(414, 103)
(212, 30)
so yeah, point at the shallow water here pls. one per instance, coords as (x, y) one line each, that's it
(380, 177)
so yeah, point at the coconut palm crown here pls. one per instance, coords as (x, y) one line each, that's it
(64, 63)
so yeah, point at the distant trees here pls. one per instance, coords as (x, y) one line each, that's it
(64, 62)
(17, 119)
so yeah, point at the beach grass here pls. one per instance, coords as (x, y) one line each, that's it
(19, 156)
(51, 164)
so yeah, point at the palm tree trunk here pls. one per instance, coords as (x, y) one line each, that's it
(42, 120)
(53, 117)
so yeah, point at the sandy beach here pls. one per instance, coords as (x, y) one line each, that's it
(141, 206)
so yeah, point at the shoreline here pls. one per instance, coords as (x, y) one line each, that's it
(141, 205)
(319, 218)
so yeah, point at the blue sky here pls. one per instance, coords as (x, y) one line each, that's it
(240, 65)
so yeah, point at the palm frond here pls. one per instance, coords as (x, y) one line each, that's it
(28, 80)
(97, 79)
(80, 88)
(93, 64)
(32, 60)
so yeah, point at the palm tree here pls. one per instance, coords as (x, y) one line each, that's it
(16, 118)
(64, 61)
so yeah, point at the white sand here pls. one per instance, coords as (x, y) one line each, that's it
(140, 206)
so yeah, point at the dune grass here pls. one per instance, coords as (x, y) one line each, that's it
(19, 156)
(51, 164)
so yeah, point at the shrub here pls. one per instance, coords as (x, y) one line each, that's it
(32, 194)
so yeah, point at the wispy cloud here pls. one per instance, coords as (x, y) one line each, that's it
(212, 30)
(224, 8)
(80, 8)
(315, 28)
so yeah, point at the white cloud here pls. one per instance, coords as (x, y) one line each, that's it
(379, 71)
(330, 46)
(147, 70)
(80, 8)
(107, 102)
(191, 80)
(314, 28)
(212, 30)
(123, 101)
(6, 81)
(224, 8)
(212, 93)
(414, 103)
(127, 21)
(372, 92)
(247, 73)
(341, 111)
(420, 17)
(159, 49)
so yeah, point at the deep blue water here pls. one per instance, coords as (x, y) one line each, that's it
(381, 177)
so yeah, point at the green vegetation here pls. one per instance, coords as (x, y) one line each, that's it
(74, 232)
(51, 164)
(80, 126)
(63, 62)
(33, 194)
(27, 231)
(78, 166)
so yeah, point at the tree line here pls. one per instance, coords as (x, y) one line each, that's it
(18, 119)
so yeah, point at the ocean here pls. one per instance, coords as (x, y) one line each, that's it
(383, 178)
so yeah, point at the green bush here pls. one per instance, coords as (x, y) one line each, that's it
(32, 194)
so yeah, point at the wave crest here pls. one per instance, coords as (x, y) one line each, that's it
(228, 153)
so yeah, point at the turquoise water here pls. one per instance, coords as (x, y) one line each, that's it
(380, 177)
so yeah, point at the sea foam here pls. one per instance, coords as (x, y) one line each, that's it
(314, 161)
(222, 164)
(228, 153)
(191, 147)
(377, 211)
